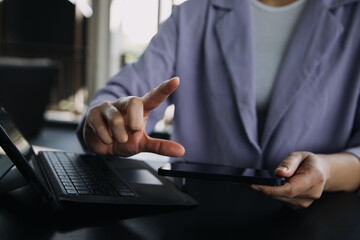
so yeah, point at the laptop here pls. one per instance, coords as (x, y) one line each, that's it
(65, 178)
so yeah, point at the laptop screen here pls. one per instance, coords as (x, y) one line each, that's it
(21, 154)
(17, 138)
(5, 163)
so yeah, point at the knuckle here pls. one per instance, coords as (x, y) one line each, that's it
(290, 193)
(99, 129)
(154, 147)
(105, 104)
(135, 127)
(118, 102)
(135, 104)
(135, 101)
(116, 121)
(269, 192)
(92, 111)
(158, 147)
(123, 138)
(98, 109)
(321, 178)
(121, 99)
(151, 93)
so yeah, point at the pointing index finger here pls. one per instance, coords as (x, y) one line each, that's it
(157, 95)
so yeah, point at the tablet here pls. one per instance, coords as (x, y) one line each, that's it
(221, 173)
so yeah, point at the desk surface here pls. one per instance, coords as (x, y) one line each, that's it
(225, 211)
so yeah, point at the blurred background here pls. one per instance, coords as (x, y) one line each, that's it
(55, 54)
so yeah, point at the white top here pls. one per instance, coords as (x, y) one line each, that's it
(272, 29)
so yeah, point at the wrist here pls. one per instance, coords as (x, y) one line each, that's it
(326, 170)
(342, 171)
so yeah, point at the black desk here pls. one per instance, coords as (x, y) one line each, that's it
(226, 211)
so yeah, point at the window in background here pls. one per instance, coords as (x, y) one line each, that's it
(132, 25)
(119, 32)
(47, 30)
(90, 40)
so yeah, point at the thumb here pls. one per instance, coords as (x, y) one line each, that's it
(290, 164)
(164, 147)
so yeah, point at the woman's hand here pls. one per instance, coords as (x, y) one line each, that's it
(118, 128)
(308, 173)
(311, 174)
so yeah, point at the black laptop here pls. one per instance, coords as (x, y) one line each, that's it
(62, 178)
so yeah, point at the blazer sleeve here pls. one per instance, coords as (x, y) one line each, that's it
(354, 142)
(155, 65)
(353, 145)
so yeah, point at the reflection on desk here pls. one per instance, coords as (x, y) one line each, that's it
(225, 211)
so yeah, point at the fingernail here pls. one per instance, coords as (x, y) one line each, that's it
(256, 188)
(284, 169)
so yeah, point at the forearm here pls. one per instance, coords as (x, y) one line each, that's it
(343, 172)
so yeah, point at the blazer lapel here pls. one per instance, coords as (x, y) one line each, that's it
(233, 31)
(315, 35)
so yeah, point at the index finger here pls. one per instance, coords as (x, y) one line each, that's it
(157, 95)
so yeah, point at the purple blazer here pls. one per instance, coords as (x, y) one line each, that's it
(208, 44)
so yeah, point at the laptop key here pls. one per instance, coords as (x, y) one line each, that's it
(72, 192)
(84, 192)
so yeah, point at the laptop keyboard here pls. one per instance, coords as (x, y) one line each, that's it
(86, 175)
